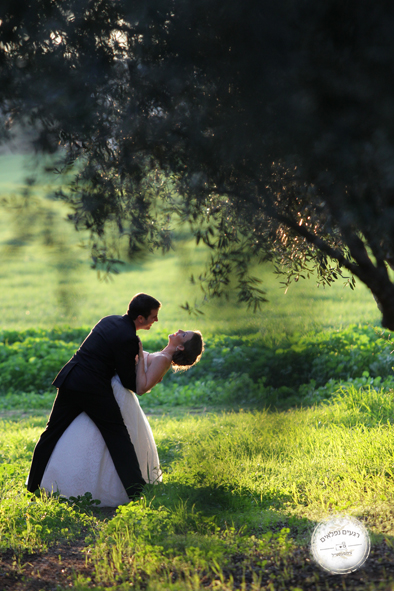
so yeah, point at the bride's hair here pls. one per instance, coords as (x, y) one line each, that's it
(191, 354)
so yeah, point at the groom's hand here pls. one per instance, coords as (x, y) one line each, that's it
(140, 350)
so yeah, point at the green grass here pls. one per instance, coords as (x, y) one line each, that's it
(248, 484)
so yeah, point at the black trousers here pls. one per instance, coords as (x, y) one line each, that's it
(105, 413)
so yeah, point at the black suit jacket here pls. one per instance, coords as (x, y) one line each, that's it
(109, 348)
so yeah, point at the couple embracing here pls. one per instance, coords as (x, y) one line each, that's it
(98, 439)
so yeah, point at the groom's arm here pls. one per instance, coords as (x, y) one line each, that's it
(125, 354)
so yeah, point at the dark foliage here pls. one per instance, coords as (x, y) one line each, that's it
(265, 125)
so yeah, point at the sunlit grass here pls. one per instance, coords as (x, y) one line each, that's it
(250, 484)
(233, 481)
(37, 291)
(47, 285)
(306, 461)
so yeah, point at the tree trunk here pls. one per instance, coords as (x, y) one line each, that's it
(386, 307)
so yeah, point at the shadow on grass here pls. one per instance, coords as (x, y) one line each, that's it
(285, 562)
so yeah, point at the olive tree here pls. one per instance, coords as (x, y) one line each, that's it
(265, 126)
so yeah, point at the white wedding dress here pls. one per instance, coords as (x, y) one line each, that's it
(81, 461)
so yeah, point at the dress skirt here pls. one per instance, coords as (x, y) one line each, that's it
(81, 461)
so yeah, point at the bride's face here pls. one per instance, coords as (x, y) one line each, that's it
(180, 337)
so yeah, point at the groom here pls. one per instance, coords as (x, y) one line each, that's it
(84, 385)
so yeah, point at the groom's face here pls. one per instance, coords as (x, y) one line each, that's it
(146, 323)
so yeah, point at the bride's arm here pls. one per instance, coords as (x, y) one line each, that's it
(156, 370)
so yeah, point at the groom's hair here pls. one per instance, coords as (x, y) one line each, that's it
(141, 305)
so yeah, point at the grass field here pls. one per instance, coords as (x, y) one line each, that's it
(241, 495)
(243, 485)
(44, 286)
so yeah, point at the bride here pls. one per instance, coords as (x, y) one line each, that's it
(81, 462)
